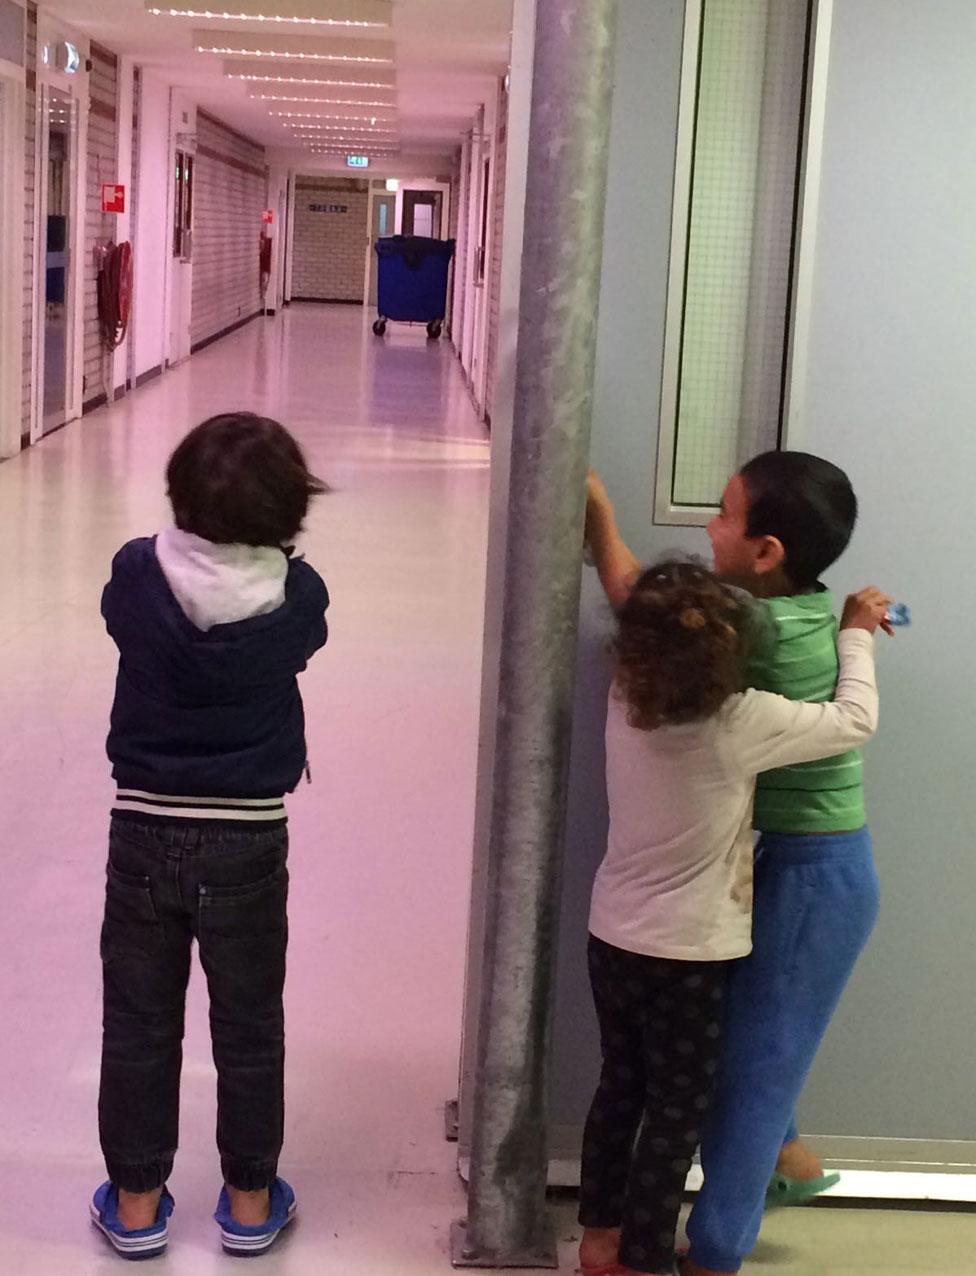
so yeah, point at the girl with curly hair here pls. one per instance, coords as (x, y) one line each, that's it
(672, 899)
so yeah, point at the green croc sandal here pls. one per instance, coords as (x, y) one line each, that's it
(786, 1191)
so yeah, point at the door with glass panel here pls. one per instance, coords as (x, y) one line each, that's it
(57, 264)
(383, 226)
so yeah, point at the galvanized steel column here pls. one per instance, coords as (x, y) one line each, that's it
(507, 1224)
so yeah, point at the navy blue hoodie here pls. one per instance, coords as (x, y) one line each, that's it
(215, 713)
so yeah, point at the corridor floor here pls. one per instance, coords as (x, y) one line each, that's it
(380, 857)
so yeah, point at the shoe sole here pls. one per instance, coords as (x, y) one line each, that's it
(784, 1191)
(138, 1248)
(249, 1246)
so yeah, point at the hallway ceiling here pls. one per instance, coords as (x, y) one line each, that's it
(447, 55)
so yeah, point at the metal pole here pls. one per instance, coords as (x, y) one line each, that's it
(507, 1223)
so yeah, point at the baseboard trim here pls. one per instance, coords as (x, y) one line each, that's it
(922, 1187)
(224, 332)
(328, 301)
(150, 375)
(119, 393)
(912, 1171)
(99, 401)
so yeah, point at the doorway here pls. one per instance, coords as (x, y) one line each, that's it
(382, 226)
(422, 213)
(181, 279)
(12, 371)
(59, 167)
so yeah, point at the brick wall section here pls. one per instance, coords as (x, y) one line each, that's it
(494, 280)
(30, 179)
(329, 261)
(100, 228)
(230, 191)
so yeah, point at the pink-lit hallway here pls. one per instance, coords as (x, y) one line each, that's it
(380, 840)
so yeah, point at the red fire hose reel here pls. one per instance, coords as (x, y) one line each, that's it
(115, 294)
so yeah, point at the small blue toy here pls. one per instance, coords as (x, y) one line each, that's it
(899, 615)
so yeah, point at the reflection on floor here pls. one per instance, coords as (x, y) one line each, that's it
(381, 839)
(55, 366)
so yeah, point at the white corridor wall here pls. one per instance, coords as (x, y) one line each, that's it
(152, 231)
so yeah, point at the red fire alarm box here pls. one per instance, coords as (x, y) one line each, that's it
(113, 198)
(268, 216)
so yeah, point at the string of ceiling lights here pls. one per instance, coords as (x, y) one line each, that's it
(332, 93)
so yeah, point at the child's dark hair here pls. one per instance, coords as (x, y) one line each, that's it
(241, 479)
(807, 503)
(681, 644)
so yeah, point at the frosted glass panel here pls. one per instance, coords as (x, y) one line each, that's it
(423, 220)
(740, 234)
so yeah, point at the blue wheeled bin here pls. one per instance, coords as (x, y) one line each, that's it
(412, 283)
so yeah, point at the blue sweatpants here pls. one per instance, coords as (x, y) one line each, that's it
(816, 902)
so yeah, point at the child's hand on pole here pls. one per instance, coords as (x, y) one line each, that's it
(596, 492)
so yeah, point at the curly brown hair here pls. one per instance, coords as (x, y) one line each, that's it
(681, 644)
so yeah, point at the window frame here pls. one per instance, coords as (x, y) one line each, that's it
(666, 511)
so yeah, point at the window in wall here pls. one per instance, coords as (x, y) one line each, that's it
(183, 207)
(741, 134)
(423, 220)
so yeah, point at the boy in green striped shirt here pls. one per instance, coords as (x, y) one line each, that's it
(796, 656)
(785, 518)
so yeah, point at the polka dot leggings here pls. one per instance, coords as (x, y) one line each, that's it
(660, 1029)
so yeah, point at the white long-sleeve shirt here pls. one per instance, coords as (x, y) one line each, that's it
(676, 880)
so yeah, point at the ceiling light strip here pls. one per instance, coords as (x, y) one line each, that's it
(370, 119)
(350, 127)
(356, 14)
(238, 44)
(254, 72)
(304, 99)
(323, 135)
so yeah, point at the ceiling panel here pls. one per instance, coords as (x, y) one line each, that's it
(445, 59)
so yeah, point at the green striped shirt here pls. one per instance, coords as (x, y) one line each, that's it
(796, 656)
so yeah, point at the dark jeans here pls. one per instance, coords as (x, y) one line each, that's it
(660, 1029)
(168, 883)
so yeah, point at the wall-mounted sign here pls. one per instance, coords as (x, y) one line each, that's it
(268, 216)
(357, 161)
(113, 198)
(392, 185)
(328, 208)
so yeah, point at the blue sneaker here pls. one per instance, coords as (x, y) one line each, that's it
(142, 1242)
(243, 1241)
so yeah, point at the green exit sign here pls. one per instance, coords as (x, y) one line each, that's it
(357, 161)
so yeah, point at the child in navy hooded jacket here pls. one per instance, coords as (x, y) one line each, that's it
(214, 618)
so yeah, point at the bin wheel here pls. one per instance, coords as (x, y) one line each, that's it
(434, 331)
(379, 327)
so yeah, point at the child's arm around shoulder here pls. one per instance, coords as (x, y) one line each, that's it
(770, 731)
(617, 566)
